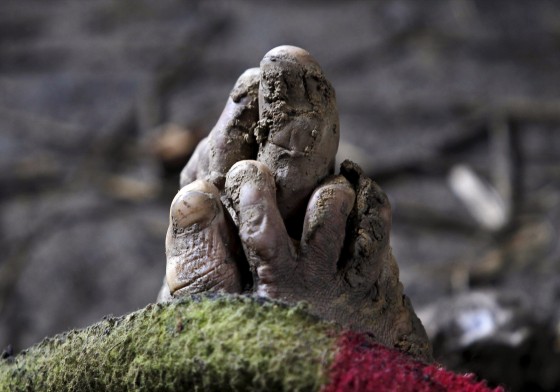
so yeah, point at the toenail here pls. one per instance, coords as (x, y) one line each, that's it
(194, 209)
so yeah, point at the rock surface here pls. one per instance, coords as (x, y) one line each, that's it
(216, 344)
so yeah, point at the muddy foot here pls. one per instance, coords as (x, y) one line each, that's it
(305, 233)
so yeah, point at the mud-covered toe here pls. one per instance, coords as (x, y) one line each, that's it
(298, 129)
(199, 243)
(232, 138)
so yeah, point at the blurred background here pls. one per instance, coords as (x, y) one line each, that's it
(452, 106)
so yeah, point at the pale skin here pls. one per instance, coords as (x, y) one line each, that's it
(261, 211)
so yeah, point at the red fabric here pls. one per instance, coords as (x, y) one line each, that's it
(362, 366)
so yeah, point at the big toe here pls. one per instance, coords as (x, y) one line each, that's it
(290, 74)
(200, 244)
(298, 129)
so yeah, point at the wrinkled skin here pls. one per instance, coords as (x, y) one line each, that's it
(260, 210)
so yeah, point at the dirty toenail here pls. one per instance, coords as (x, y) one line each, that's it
(194, 209)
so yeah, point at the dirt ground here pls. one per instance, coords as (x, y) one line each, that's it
(452, 107)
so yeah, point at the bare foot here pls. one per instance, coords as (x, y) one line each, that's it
(306, 234)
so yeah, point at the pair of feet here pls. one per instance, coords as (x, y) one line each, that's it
(261, 211)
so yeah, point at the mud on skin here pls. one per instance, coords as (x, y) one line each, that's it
(262, 212)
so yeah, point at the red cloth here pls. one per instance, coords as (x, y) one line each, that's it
(363, 366)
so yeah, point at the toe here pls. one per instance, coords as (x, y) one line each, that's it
(368, 252)
(298, 115)
(200, 244)
(269, 250)
(325, 225)
(232, 138)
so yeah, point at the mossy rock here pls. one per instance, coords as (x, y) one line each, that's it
(220, 343)
(201, 343)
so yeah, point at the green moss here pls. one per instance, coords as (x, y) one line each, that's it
(202, 343)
